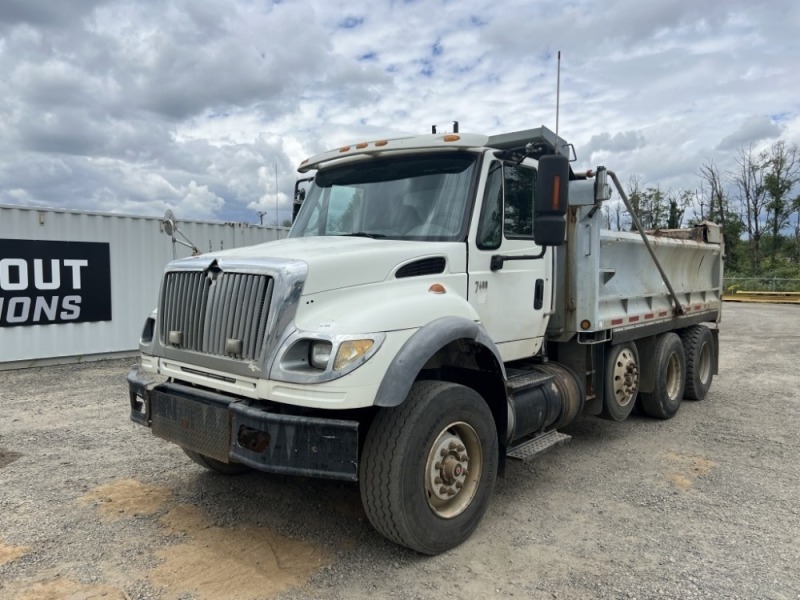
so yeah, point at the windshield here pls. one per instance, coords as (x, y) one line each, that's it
(419, 197)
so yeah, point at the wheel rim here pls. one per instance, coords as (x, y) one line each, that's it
(673, 376)
(453, 470)
(626, 377)
(704, 368)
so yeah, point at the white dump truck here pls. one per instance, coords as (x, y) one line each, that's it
(443, 302)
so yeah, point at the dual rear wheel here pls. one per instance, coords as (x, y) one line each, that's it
(683, 367)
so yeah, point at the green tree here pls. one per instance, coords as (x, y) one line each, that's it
(675, 214)
(782, 174)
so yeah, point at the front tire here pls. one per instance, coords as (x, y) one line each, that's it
(428, 467)
(669, 362)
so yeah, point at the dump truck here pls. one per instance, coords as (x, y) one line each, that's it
(442, 304)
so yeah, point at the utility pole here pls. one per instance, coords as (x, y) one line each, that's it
(276, 195)
(261, 215)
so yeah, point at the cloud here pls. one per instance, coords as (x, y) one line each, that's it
(622, 141)
(44, 12)
(135, 105)
(751, 131)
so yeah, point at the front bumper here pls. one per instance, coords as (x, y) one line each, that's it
(228, 429)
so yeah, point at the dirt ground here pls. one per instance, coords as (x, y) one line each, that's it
(702, 506)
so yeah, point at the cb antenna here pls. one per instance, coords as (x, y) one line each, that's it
(558, 98)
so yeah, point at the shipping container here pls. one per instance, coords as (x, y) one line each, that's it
(77, 285)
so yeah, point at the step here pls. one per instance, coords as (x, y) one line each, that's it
(530, 448)
(519, 379)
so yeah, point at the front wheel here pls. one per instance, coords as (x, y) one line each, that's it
(428, 467)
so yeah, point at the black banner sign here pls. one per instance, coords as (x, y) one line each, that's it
(44, 283)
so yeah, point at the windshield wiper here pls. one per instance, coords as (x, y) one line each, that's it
(374, 236)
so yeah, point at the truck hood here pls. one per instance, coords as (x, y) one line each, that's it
(341, 261)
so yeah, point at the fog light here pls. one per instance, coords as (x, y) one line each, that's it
(350, 351)
(320, 354)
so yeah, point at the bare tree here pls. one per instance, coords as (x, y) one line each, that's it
(717, 201)
(634, 192)
(718, 208)
(751, 193)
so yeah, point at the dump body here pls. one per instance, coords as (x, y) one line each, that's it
(612, 282)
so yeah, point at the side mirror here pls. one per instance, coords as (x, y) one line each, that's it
(552, 198)
(168, 223)
(299, 197)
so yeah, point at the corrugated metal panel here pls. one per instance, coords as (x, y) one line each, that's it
(139, 251)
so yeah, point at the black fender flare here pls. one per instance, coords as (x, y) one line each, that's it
(420, 347)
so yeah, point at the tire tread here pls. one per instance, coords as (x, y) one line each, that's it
(383, 459)
(692, 338)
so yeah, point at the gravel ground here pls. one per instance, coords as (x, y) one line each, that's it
(701, 506)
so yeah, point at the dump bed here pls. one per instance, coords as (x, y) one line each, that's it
(609, 281)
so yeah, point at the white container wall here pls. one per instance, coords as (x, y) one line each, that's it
(92, 278)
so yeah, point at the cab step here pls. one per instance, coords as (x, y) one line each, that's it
(530, 448)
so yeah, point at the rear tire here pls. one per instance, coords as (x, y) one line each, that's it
(669, 363)
(621, 381)
(698, 344)
(428, 467)
(212, 464)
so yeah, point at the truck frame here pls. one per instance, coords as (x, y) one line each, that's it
(443, 302)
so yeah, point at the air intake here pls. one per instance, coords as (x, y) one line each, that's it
(425, 266)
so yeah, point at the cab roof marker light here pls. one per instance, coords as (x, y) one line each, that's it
(381, 142)
(451, 138)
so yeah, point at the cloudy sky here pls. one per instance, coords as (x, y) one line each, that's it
(134, 106)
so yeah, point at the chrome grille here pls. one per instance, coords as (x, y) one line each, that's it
(210, 311)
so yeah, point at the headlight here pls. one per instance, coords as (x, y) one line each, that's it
(307, 357)
(320, 354)
(350, 351)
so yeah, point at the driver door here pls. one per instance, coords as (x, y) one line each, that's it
(513, 301)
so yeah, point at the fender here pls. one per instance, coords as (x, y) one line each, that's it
(420, 347)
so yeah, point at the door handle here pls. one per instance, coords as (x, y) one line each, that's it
(538, 294)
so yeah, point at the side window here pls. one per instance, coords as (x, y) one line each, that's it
(520, 183)
(491, 224)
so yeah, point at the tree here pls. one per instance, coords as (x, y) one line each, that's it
(715, 206)
(796, 247)
(634, 193)
(782, 173)
(751, 193)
